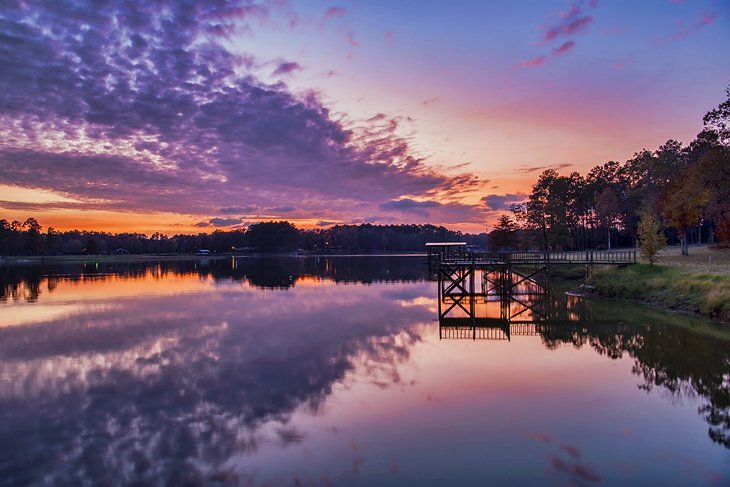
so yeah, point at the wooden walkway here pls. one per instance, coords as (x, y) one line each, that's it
(585, 257)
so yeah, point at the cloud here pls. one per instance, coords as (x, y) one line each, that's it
(377, 117)
(224, 222)
(410, 206)
(287, 68)
(332, 13)
(144, 93)
(351, 40)
(389, 37)
(325, 223)
(236, 210)
(497, 202)
(282, 209)
(429, 211)
(219, 222)
(684, 29)
(536, 61)
(706, 19)
(525, 169)
(563, 48)
(571, 22)
(429, 102)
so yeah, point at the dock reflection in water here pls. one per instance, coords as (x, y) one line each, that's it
(331, 371)
(501, 302)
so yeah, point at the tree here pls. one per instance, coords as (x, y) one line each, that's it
(33, 238)
(73, 246)
(718, 120)
(504, 234)
(53, 240)
(711, 169)
(280, 236)
(608, 209)
(683, 204)
(651, 238)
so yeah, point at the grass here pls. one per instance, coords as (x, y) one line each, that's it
(701, 286)
(702, 259)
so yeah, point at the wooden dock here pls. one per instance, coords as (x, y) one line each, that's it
(517, 278)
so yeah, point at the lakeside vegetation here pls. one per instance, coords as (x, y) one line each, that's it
(669, 287)
(700, 284)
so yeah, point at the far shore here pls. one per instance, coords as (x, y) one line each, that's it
(43, 259)
(50, 259)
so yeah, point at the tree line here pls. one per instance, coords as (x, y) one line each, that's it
(685, 189)
(29, 238)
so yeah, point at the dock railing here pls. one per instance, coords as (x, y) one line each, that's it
(616, 257)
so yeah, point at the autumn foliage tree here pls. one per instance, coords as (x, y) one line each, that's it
(651, 238)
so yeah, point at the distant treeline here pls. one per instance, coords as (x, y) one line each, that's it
(29, 238)
(685, 188)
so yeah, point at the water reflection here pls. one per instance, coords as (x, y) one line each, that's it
(497, 304)
(27, 282)
(172, 387)
(179, 373)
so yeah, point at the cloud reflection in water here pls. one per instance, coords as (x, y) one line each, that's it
(174, 388)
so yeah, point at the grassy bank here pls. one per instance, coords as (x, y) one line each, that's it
(673, 287)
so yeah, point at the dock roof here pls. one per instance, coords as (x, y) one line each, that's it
(446, 244)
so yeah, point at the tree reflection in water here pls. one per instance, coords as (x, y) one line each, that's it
(684, 356)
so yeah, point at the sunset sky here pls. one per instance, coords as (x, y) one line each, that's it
(184, 117)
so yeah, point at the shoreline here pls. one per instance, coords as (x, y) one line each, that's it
(53, 259)
(667, 287)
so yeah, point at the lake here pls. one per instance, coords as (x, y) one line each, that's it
(337, 371)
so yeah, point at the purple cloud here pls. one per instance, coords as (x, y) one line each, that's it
(351, 40)
(563, 48)
(409, 205)
(525, 169)
(136, 95)
(237, 210)
(219, 222)
(389, 37)
(331, 13)
(499, 202)
(433, 211)
(684, 30)
(287, 68)
(571, 22)
(534, 62)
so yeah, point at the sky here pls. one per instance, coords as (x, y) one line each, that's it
(179, 117)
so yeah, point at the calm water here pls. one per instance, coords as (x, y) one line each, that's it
(306, 371)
